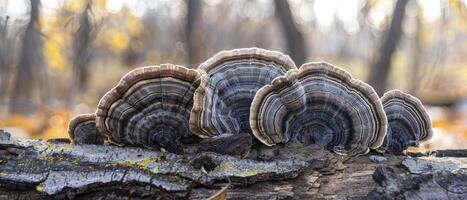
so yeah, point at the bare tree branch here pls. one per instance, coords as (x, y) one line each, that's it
(379, 71)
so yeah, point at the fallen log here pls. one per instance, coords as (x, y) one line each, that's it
(36, 169)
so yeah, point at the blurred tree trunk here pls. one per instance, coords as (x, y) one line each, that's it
(416, 53)
(82, 55)
(6, 60)
(432, 73)
(365, 37)
(380, 68)
(194, 40)
(133, 54)
(295, 40)
(344, 49)
(30, 77)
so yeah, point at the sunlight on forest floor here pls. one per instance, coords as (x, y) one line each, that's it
(449, 126)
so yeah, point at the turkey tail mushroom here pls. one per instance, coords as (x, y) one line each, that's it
(222, 103)
(82, 130)
(408, 121)
(323, 104)
(149, 107)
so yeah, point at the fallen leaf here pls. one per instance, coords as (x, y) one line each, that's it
(221, 194)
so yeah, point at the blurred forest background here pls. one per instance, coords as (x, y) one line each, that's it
(58, 57)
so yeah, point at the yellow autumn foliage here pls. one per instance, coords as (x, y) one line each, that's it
(133, 25)
(75, 6)
(114, 38)
(460, 9)
(56, 57)
(100, 3)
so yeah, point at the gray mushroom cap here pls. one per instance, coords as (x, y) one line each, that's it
(222, 102)
(319, 103)
(149, 107)
(82, 130)
(408, 121)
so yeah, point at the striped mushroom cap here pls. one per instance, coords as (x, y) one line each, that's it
(149, 107)
(408, 121)
(82, 130)
(222, 103)
(319, 103)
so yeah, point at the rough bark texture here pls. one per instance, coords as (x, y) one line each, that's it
(295, 40)
(34, 169)
(380, 68)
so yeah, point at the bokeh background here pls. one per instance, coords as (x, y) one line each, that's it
(58, 57)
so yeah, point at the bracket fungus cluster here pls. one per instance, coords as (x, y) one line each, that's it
(222, 103)
(149, 107)
(323, 104)
(255, 93)
(408, 121)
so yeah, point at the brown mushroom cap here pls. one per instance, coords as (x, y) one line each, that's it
(408, 121)
(321, 103)
(149, 107)
(222, 103)
(82, 130)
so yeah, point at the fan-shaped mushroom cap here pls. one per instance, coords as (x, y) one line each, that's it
(82, 130)
(149, 107)
(408, 121)
(321, 103)
(222, 104)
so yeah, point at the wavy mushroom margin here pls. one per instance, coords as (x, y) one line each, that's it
(415, 102)
(292, 76)
(132, 78)
(224, 56)
(79, 120)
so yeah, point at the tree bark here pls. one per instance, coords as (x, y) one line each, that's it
(380, 68)
(295, 40)
(35, 169)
